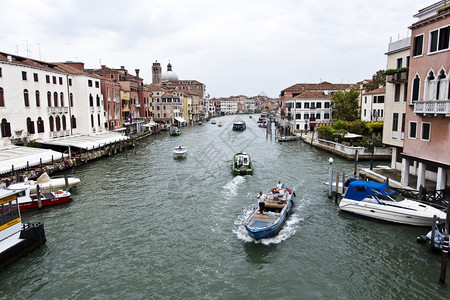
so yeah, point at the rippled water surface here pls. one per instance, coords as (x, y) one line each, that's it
(144, 225)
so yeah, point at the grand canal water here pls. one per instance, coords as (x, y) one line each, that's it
(143, 225)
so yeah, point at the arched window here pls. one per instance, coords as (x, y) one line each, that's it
(415, 88)
(71, 99)
(55, 99)
(430, 88)
(92, 120)
(30, 126)
(440, 86)
(64, 122)
(98, 120)
(49, 99)
(38, 99)
(2, 99)
(40, 125)
(58, 123)
(73, 122)
(26, 99)
(6, 128)
(52, 125)
(98, 100)
(61, 99)
(91, 100)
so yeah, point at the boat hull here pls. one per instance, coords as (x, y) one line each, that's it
(402, 213)
(262, 229)
(33, 203)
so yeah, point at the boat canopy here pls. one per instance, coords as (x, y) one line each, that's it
(242, 159)
(358, 190)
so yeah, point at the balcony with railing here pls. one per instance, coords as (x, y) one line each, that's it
(397, 75)
(59, 133)
(433, 107)
(57, 110)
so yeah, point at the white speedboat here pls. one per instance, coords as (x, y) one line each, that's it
(213, 121)
(179, 152)
(46, 184)
(376, 200)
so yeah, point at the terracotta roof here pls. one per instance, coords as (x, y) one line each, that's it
(320, 86)
(381, 90)
(312, 95)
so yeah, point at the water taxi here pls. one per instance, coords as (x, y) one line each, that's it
(239, 125)
(242, 164)
(16, 239)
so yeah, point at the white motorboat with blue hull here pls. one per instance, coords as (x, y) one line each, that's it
(277, 208)
(377, 201)
(179, 152)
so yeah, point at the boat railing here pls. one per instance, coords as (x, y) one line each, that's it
(432, 197)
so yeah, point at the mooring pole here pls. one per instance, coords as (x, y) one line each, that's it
(38, 192)
(444, 260)
(356, 163)
(337, 188)
(330, 178)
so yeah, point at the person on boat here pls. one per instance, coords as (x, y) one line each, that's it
(279, 185)
(261, 201)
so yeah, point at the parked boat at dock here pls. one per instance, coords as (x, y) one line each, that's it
(278, 204)
(239, 125)
(179, 152)
(16, 239)
(242, 164)
(377, 201)
(28, 201)
(435, 242)
(287, 138)
(47, 184)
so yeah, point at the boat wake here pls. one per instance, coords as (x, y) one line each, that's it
(289, 229)
(231, 187)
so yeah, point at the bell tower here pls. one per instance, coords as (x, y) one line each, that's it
(156, 72)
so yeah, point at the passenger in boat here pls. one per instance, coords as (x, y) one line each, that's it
(279, 185)
(261, 201)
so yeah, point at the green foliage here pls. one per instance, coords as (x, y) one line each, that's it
(378, 79)
(345, 105)
(442, 9)
(34, 144)
(393, 71)
(375, 126)
(341, 125)
(358, 127)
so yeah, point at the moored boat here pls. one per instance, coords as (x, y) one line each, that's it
(16, 239)
(242, 164)
(377, 201)
(179, 152)
(220, 124)
(47, 184)
(278, 204)
(239, 125)
(287, 138)
(28, 201)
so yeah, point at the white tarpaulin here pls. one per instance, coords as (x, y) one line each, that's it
(18, 156)
(89, 142)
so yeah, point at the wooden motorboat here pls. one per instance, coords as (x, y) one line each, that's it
(28, 201)
(277, 208)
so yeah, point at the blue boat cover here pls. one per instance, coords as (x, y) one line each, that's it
(358, 190)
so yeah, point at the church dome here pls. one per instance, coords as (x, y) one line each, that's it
(169, 75)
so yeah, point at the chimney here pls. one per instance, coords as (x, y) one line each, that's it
(103, 66)
(122, 67)
(137, 72)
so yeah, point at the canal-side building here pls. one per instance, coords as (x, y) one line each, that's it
(40, 100)
(228, 106)
(427, 140)
(306, 109)
(395, 99)
(372, 105)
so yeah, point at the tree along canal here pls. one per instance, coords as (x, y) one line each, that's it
(144, 225)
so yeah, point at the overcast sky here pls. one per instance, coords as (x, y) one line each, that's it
(234, 47)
